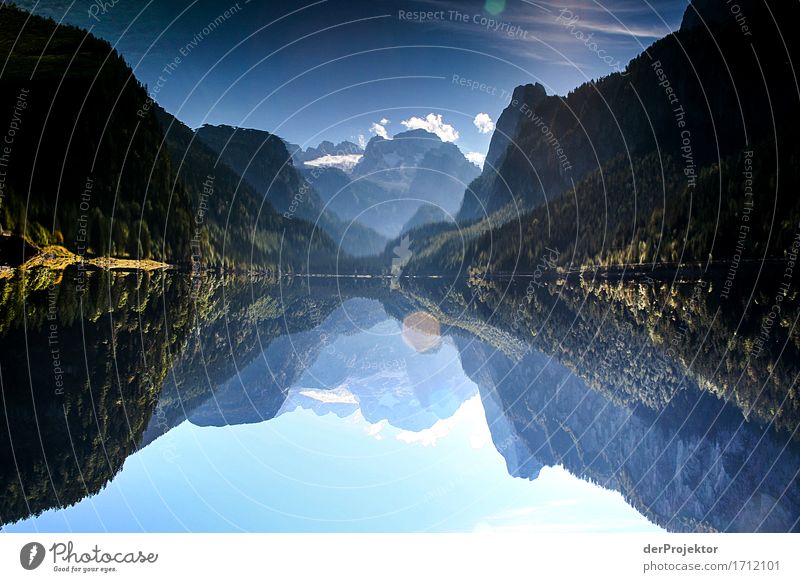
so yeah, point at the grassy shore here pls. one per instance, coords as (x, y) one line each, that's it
(57, 258)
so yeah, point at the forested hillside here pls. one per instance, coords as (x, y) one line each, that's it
(649, 165)
(89, 167)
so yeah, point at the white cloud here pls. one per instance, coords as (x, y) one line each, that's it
(384, 121)
(484, 123)
(362, 140)
(374, 430)
(476, 158)
(379, 130)
(344, 162)
(469, 416)
(428, 437)
(433, 123)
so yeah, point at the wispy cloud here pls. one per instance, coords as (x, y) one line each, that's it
(604, 26)
(623, 26)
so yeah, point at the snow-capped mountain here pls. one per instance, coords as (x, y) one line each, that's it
(395, 177)
(343, 155)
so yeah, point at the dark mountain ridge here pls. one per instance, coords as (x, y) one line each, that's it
(647, 165)
(263, 160)
(92, 169)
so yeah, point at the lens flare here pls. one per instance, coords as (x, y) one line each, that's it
(421, 331)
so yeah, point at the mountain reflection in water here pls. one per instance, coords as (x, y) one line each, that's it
(654, 395)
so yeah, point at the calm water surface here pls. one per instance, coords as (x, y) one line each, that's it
(155, 403)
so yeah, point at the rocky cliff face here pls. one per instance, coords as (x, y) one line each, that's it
(397, 176)
(488, 368)
(683, 98)
(525, 97)
(491, 184)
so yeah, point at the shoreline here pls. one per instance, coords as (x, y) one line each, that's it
(58, 258)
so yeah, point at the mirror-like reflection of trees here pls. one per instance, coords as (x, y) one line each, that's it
(81, 375)
(85, 375)
(664, 391)
(644, 341)
(683, 401)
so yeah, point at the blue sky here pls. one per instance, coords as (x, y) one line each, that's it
(330, 69)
